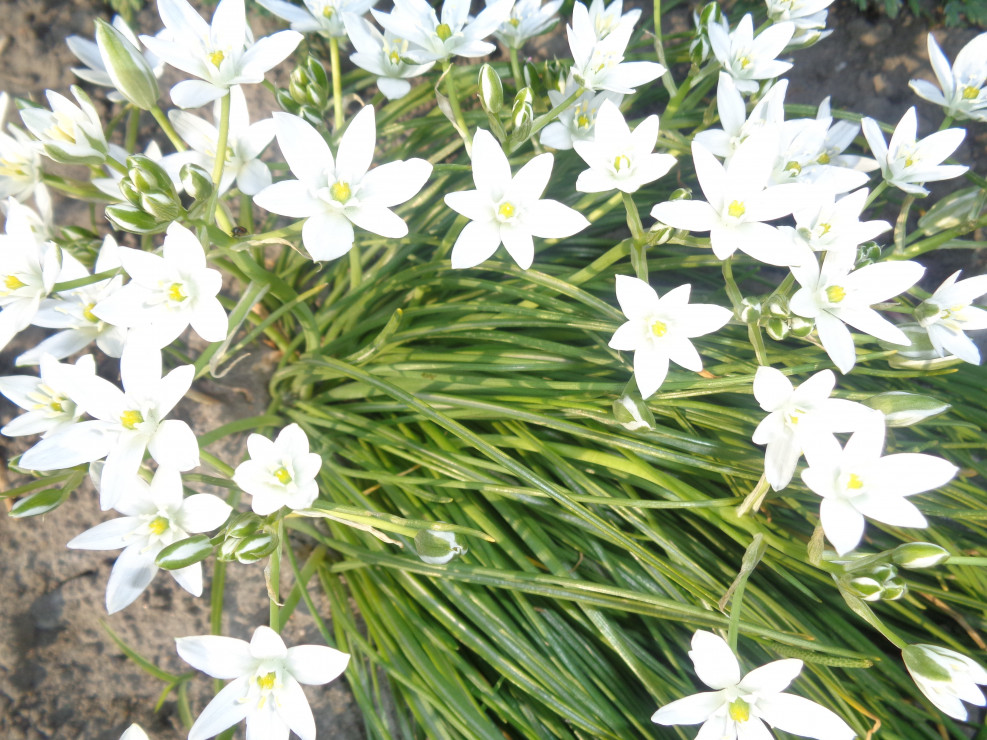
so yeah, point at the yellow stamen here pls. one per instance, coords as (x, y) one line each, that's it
(158, 525)
(56, 406)
(340, 192)
(515, 22)
(266, 682)
(582, 121)
(88, 315)
(11, 169)
(283, 476)
(394, 57)
(13, 282)
(971, 93)
(659, 328)
(443, 31)
(176, 294)
(327, 12)
(130, 419)
(909, 162)
(506, 210)
(745, 62)
(217, 58)
(621, 162)
(835, 294)
(794, 167)
(824, 229)
(740, 710)
(855, 483)
(736, 209)
(823, 158)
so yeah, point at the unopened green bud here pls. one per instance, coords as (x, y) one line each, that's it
(129, 71)
(750, 310)
(522, 113)
(227, 549)
(39, 502)
(437, 547)
(491, 90)
(917, 555)
(130, 192)
(196, 181)
(659, 234)
(800, 327)
(134, 220)
(162, 206)
(317, 73)
(777, 306)
(184, 553)
(777, 329)
(243, 524)
(953, 210)
(903, 409)
(258, 545)
(867, 254)
(894, 589)
(287, 102)
(632, 413)
(681, 194)
(148, 175)
(866, 588)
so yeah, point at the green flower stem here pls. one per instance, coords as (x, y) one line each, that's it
(733, 292)
(118, 166)
(946, 123)
(337, 84)
(783, 288)
(543, 120)
(133, 126)
(666, 78)
(901, 224)
(449, 73)
(169, 130)
(81, 190)
(246, 217)
(967, 560)
(88, 280)
(356, 269)
(675, 103)
(516, 68)
(757, 341)
(935, 242)
(224, 135)
(638, 257)
(881, 187)
(274, 580)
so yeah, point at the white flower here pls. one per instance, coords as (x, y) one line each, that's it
(279, 473)
(452, 35)
(619, 159)
(964, 87)
(72, 312)
(167, 293)
(69, 133)
(383, 55)
(128, 423)
(833, 225)
(748, 59)
(797, 418)
(908, 163)
(857, 482)
(840, 136)
(834, 296)
(946, 677)
(738, 708)
(949, 312)
(245, 144)
(134, 732)
(739, 203)
(598, 64)
(335, 194)
(658, 330)
(607, 18)
(507, 210)
(737, 125)
(20, 159)
(154, 516)
(264, 688)
(529, 18)
(49, 409)
(221, 55)
(29, 269)
(95, 71)
(803, 157)
(578, 121)
(325, 17)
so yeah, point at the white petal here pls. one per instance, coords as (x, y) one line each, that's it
(195, 93)
(267, 644)
(491, 171)
(395, 182)
(908, 473)
(843, 524)
(780, 460)
(800, 716)
(772, 388)
(217, 656)
(691, 215)
(518, 243)
(715, 663)
(837, 341)
(476, 243)
(131, 574)
(292, 198)
(690, 710)
(189, 578)
(202, 512)
(306, 152)
(327, 236)
(294, 709)
(772, 677)
(650, 370)
(225, 710)
(356, 148)
(550, 219)
(111, 535)
(316, 664)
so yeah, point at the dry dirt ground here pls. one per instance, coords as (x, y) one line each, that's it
(60, 674)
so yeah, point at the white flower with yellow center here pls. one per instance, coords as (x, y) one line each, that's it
(336, 193)
(69, 133)
(507, 210)
(749, 59)
(529, 18)
(279, 473)
(264, 688)
(607, 18)
(963, 90)
(220, 54)
(737, 124)
(857, 482)
(127, 423)
(44, 398)
(836, 295)
(797, 418)
(20, 159)
(384, 55)
(946, 677)
(167, 293)
(739, 707)
(907, 162)
(833, 225)
(577, 122)
(949, 312)
(658, 330)
(154, 516)
(324, 17)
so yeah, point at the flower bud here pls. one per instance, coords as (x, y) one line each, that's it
(243, 524)
(750, 310)
(522, 114)
(162, 207)
(436, 547)
(632, 413)
(867, 254)
(903, 409)
(777, 306)
(258, 545)
(866, 588)
(945, 677)
(134, 220)
(699, 49)
(184, 553)
(227, 549)
(800, 327)
(39, 502)
(196, 181)
(777, 328)
(491, 90)
(894, 589)
(129, 71)
(916, 555)
(953, 210)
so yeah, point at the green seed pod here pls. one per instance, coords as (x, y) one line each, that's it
(777, 329)
(750, 310)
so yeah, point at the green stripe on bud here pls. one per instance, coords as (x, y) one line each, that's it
(184, 553)
(129, 71)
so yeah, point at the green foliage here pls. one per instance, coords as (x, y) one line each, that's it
(952, 12)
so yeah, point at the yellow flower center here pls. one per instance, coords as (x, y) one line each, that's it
(909, 161)
(56, 406)
(835, 294)
(327, 12)
(394, 57)
(506, 210)
(266, 682)
(659, 328)
(158, 525)
(854, 482)
(176, 294)
(794, 167)
(583, 121)
(824, 229)
(443, 31)
(740, 710)
(621, 162)
(515, 22)
(745, 62)
(736, 209)
(823, 158)
(88, 315)
(13, 282)
(217, 58)
(130, 419)
(11, 169)
(283, 476)
(795, 415)
(970, 92)
(340, 192)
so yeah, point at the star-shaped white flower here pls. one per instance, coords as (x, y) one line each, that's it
(507, 210)
(384, 55)
(264, 688)
(797, 418)
(618, 158)
(739, 202)
(221, 54)
(748, 59)
(69, 133)
(324, 17)
(607, 18)
(279, 473)
(949, 312)
(857, 482)
(835, 296)
(168, 293)
(578, 121)
(737, 124)
(738, 707)
(658, 330)
(336, 193)
(127, 423)
(44, 398)
(831, 224)
(154, 516)
(963, 90)
(946, 677)
(908, 163)
(529, 18)
(20, 159)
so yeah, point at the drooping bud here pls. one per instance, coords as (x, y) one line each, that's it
(632, 413)
(437, 547)
(917, 555)
(129, 71)
(866, 588)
